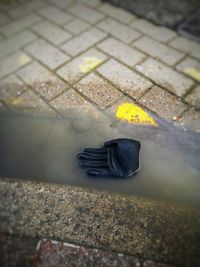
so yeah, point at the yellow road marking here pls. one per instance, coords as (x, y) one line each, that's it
(89, 63)
(16, 101)
(24, 59)
(134, 114)
(194, 73)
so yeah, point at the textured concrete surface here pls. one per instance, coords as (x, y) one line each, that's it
(89, 55)
(130, 225)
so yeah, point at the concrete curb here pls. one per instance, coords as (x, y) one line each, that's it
(131, 225)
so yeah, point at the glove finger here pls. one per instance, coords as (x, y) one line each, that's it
(95, 151)
(89, 156)
(113, 162)
(99, 172)
(92, 164)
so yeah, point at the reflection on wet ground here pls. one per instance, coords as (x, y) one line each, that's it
(44, 149)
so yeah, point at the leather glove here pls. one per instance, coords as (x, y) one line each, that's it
(116, 158)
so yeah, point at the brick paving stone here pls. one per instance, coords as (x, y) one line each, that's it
(163, 103)
(81, 65)
(122, 52)
(13, 62)
(98, 90)
(59, 254)
(194, 97)
(46, 53)
(118, 30)
(51, 32)
(77, 26)
(19, 24)
(159, 33)
(190, 67)
(190, 120)
(93, 3)
(55, 15)
(25, 8)
(11, 87)
(71, 101)
(125, 79)
(43, 81)
(187, 46)
(165, 77)
(117, 13)
(63, 4)
(158, 50)
(82, 42)
(30, 103)
(86, 13)
(14, 43)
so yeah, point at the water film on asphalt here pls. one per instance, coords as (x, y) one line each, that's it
(44, 149)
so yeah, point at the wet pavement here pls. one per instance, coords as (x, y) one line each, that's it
(179, 16)
(88, 71)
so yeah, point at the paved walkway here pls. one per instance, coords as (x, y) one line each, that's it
(84, 54)
(65, 54)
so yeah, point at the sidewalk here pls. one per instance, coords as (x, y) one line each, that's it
(59, 54)
(63, 55)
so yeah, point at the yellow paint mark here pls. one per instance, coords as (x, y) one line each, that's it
(89, 63)
(134, 114)
(194, 73)
(16, 101)
(24, 59)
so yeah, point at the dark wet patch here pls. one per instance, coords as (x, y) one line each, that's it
(44, 149)
(170, 13)
(191, 27)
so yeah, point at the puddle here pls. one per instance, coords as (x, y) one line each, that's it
(44, 149)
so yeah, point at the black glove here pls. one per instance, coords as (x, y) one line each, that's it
(118, 158)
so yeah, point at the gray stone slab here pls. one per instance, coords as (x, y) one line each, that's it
(82, 42)
(26, 7)
(51, 32)
(10, 87)
(55, 15)
(163, 103)
(42, 80)
(187, 46)
(51, 56)
(125, 79)
(77, 26)
(157, 32)
(166, 77)
(19, 24)
(122, 52)
(86, 13)
(16, 42)
(30, 103)
(81, 65)
(13, 63)
(191, 67)
(63, 4)
(93, 3)
(119, 30)
(117, 13)
(157, 50)
(98, 90)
